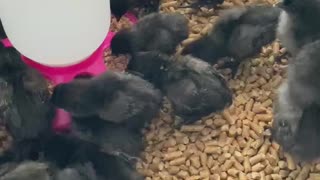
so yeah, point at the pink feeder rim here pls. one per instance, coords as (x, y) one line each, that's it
(93, 65)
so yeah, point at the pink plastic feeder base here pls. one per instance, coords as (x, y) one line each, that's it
(94, 65)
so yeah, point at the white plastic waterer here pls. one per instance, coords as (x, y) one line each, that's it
(56, 32)
(60, 38)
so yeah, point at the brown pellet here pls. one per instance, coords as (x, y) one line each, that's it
(178, 161)
(212, 150)
(192, 128)
(256, 159)
(246, 165)
(258, 167)
(172, 155)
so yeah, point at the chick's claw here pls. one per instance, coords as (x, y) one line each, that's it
(126, 157)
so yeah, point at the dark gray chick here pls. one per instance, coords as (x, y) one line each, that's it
(193, 86)
(300, 91)
(30, 111)
(8, 110)
(79, 171)
(33, 170)
(113, 96)
(75, 154)
(161, 32)
(28, 170)
(238, 34)
(297, 23)
(114, 168)
(111, 138)
(64, 158)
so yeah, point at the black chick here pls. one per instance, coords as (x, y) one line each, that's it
(33, 170)
(71, 151)
(111, 138)
(100, 167)
(161, 32)
(8, 110)
(115, 97)
(28, 170)
(63, 158)
(67, 152)
(297, 24)
(238, 34)
(300, 91)
(11, 65)
(204, 3)
(79, 171)
(194, 88)
(114, 168)
(306, 146)
(30, 112)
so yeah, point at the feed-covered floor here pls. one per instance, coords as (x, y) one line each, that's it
(234, 144)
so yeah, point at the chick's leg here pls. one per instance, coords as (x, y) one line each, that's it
(126, 157)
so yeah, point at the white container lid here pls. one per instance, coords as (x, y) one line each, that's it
(56, 32)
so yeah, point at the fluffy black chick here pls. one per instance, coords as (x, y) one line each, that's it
(111, 138)
(79, 171)
(297, 24)
(26, 92)
(161, 32)
(63, 158)
(8, 110)
(238, 34)
(193, 86)
(300, 91)
(69, 153)
(116, 97)
(106, 166)
(29, 170)
(204, 3)
(114, 168)
(34, 170)
(11, 65)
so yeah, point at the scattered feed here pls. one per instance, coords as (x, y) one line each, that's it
(235, 144)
